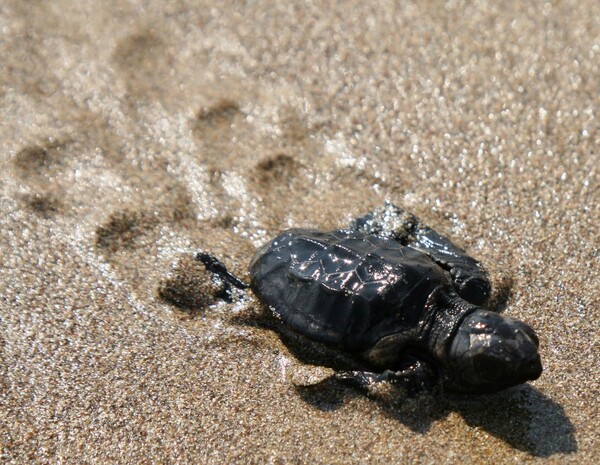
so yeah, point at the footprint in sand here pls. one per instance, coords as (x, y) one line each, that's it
(39, 166)
(144, 62)
(272, 158)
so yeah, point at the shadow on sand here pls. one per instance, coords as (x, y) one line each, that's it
(521, 416)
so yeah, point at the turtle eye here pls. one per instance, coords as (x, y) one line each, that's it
(531, 333)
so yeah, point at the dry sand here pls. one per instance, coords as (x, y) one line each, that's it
(135, 133)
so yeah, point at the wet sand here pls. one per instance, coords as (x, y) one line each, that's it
(134, 134)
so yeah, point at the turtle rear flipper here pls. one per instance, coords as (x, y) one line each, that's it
(214, 265)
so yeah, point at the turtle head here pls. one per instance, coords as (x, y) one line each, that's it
(490, 352)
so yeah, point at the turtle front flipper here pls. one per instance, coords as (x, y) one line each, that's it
(468, 276)
(418, 376)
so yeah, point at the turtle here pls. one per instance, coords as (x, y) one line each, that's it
(395, 296)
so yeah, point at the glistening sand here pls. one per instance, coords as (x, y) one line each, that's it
(134, 134)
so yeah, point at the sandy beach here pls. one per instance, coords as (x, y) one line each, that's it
(134, 134)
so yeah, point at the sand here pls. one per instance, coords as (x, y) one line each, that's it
(136, 133)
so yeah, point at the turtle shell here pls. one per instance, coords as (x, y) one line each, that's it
(345, 288)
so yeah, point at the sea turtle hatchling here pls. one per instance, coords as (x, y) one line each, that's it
(395, 296)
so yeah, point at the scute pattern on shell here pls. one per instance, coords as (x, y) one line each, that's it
(344, 287)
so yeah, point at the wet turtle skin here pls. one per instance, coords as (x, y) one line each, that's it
(397, 296)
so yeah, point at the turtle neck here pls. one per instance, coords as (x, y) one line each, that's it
(445, 311)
